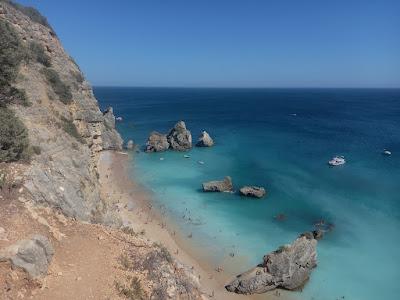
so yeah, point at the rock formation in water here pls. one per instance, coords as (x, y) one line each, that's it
(224, 185)
(130, 145)
(157, 142)
(252, 191)
(33, 255)
(204, 140)
(180, 138)
(289, 267)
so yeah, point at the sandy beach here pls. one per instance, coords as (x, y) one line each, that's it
(134, 205)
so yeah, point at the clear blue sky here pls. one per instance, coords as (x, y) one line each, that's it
(299, 43)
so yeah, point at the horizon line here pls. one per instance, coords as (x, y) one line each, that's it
(242, 87)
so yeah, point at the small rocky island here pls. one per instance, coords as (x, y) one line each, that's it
(253, 191)
(179, 138)
(224, 185)
(205, 140)
(289, 267)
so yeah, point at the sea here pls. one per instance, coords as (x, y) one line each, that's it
(280, 139)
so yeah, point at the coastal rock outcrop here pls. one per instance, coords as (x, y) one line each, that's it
(253, 191)
(63, 119)
(289, 267)
(179, 137)
(130, 145)
(224, 185)
(33, 255)
(205, 140)
(157, 142)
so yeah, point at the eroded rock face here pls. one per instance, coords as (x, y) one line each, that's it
(288, 267)
(204, 140)
(33, 255)
(225, 185)
(253, 191)
(70, 135)
(157, 142)
(179, 138)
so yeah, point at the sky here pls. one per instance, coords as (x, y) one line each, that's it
(231, 43)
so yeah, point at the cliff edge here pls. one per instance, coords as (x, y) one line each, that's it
(65, 128)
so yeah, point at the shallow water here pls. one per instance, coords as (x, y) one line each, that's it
(259, 141)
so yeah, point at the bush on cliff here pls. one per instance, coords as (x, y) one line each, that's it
(70, 128)
(14, 143)
(12, 53)
(38, 54)
(59, 87)
(31, 12)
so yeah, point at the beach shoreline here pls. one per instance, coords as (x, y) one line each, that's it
(134, 206)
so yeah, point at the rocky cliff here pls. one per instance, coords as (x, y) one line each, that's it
(64, 124)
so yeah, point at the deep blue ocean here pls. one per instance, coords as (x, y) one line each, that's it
(280, 139)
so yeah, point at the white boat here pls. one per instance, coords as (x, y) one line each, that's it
(387, 152)
(337, 161)
(186, 156)
(161, 158)
(201, 162)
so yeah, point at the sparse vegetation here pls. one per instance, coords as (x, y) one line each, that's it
(130, 231)
(38, 54)
(70, 128)
(12, 53)
(133, 291)
(31, 12)
(37, 150)
(59, 87)
(14, 143)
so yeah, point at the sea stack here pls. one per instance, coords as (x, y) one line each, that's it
(224, 185)
(253, 191)
(157, 142)
(179, 137)
(205, 140)
(289, 267)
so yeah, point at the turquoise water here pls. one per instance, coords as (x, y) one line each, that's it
(259, 141)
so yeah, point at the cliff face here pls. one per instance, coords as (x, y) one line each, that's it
(65, 125)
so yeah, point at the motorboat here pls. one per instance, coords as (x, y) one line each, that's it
(337, 161)
(387, 152)
(186, 156)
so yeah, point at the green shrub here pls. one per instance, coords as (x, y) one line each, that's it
(38, 54)
(12, 53)
(31, 12)
(59, 87)
(70, 128)
(37, 150)
(14, 142)
(133, 291)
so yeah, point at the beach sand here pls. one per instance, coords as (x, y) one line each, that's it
(133, 204)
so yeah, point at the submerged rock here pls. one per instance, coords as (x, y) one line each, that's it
(157, 142)
(204, 140)
(253, 191)
(179, 138)
(130, 145)
(288, 267)
(219, 185)
(33, 255)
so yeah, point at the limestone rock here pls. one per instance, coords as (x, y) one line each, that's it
(219, 185)
(179, 138)
(288, 267)
(111, 140)
(109, 118)
(253, 191)
(205, 140)
(130, 145)
(157, 142)
(33, 255)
